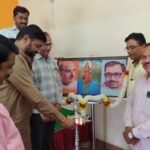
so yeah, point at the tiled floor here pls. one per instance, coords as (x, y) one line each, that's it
(99, 146)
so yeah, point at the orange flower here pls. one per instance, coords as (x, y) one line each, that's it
(126, 72)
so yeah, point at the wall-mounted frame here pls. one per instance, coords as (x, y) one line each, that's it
(92, 75)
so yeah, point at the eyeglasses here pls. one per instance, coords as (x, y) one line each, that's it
(132, 47)
(116, 75)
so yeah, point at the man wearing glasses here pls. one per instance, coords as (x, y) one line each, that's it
(114, 75)
(135, 43)
(47, 80)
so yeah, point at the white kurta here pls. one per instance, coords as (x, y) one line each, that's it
(137, 113)
(135, 72)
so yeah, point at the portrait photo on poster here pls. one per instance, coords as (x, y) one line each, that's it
(89, 77)
(92, 75)
(112, 76)
(68, 70)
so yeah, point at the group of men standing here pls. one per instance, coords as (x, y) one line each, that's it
(35, 84)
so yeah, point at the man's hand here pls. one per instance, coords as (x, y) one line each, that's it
(57, 106)
(134, 141)
(67, 122)
(46, 119)
(128, 140)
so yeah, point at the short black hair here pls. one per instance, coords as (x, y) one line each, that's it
(147, 45)
(12, 40)
(113, 63)
(139, 37)
(34, 31)
(6, 47)
(20, 9)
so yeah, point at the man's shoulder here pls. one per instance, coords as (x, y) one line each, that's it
(54, 62)
(37, 57)
(142, 77)
(38, 61)
(9, 32)
(19, 57)
(141, 80)
(20, 61)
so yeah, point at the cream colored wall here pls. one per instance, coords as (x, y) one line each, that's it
(93, 28)
(90, 27)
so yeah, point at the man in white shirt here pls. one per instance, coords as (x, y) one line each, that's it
(20, 17)
(135, 43)
(137, 112)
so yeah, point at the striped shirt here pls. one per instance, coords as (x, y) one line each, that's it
(47, 79)
(10, 32)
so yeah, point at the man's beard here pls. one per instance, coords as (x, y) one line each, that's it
(22, 25)
(30, 54)
(29, 51)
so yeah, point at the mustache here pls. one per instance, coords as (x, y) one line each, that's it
(23, 23)
(147, 63)
(112, 81)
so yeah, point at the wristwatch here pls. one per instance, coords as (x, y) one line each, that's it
(130, 135)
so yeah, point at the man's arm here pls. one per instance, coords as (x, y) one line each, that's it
(128, 112)
(142, 130)
(37, 74)
(129, 136)
(128, 119)
(22, 81)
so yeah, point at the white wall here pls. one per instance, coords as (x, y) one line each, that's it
(109, 124)
(93, 28)
(90, 27)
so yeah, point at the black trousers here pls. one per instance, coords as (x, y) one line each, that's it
(41, 133)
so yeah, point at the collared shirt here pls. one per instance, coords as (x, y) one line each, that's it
(10, 32)
(134, 73)
(10, 138)
(137, 113)
(19, 95)
(47, 79)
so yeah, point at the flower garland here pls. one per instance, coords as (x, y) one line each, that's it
(82, 106)
(100, 98)
(82, 101)
(107, 102)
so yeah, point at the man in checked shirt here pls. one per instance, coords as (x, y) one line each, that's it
(48, 82)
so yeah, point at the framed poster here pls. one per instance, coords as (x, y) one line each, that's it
(92, 75)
